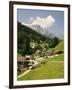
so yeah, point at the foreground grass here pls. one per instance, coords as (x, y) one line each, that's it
(54, 68)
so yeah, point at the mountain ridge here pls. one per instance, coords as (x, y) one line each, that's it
(43, 31)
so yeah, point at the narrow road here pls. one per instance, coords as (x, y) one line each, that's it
(25, 72)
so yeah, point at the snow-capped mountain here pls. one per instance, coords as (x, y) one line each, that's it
(43, 31)
(38, 29)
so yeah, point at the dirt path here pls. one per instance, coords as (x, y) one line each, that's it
(25, 72)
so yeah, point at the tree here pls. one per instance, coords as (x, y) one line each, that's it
(27, 45)
(53, 42)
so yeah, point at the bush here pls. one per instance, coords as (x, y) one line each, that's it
(59, 52)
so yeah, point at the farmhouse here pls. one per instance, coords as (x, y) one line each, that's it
(26, 62)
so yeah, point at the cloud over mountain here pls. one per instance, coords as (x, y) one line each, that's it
(43, 22)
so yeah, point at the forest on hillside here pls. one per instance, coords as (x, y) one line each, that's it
(29, 41)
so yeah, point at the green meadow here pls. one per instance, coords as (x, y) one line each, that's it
(52, 69)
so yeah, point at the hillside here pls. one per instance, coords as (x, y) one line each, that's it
(28, 31)
(29, 40)
(60, 46)
(27, 36)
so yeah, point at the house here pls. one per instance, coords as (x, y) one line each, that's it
(25, 63)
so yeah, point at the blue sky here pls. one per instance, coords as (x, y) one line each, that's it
(24, 16)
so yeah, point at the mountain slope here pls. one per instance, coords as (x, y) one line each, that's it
(60, 46)
(26, 37)
(30, 31)
(44, 31)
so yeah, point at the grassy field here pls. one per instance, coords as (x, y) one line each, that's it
(57, 58)
(60, 46)
(52, 69)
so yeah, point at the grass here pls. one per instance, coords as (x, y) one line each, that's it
(52, 69)
(57, 58)
(60, 46)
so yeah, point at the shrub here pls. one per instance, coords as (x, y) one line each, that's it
(59, 52)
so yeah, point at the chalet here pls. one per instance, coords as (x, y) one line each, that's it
(26, 62)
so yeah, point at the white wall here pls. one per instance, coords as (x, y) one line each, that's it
(4, 45)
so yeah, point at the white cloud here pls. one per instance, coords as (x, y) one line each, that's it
(31, 18)
(43, 22)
